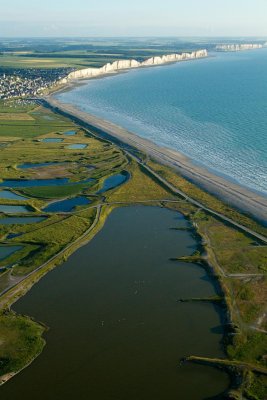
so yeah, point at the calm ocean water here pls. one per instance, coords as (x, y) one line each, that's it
(213, 110)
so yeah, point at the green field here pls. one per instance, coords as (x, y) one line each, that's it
(82, 53)
(38, 124)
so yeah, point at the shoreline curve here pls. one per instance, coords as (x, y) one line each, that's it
(233, 194)
(123, 65)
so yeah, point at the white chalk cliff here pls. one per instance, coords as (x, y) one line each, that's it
(128, 64)
(238, 47)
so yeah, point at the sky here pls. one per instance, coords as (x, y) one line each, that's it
(133, 18)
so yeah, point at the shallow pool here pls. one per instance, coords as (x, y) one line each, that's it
(7, 194)
(52, 140)
(70, 133)
(77, 146)
(6, 251)
(10, 209)
(15, 183)
(113, 181)
(20, 220)
(38, 165)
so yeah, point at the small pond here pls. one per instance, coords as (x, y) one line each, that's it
(52, 140)
(13, 235)
(67, 205)
(14, 183)
(48, 118)
(6, 251)
(10, 209)
(70, 133)
(113, 181)
(77, 146)
(7, 194)
(21, 220)
(38, 165)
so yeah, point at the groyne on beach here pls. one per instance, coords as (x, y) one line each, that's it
(119, 65)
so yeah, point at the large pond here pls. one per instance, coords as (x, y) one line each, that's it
(67, 205)
(77, 146)
(116, 328)
(38, 165)
(7, 194)
(20, 220)
(15, 183)
(9, 209)
(6, 251)
(113, 181)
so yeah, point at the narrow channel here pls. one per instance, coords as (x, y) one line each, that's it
(116, 328)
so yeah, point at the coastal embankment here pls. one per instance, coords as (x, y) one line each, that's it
(120, 65)
(232, 194)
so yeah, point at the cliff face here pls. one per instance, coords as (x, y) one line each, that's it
(238, 47)
(128, 64)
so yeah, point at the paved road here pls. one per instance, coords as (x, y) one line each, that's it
(57, 107)
(61, 252)
(222, 217)
(231, 193)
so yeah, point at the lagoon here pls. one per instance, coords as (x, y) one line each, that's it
(116, 328)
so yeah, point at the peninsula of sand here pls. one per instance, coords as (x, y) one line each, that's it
(119, 65)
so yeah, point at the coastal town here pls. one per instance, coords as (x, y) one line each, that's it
(28, 82)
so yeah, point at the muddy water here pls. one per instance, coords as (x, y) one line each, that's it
(116, 328)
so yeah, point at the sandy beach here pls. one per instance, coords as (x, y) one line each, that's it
(245, 200)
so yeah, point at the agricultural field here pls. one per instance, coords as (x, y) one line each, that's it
(85, 53)
(84, 171)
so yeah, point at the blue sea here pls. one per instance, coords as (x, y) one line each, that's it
(212, 110)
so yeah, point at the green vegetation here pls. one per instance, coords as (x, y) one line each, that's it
(36, 121)
(16, 106)
(85, 53)
(238, 262)
(205, 198)
(139, 188)
(51, 239)
(20, 342)
(53, 192)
